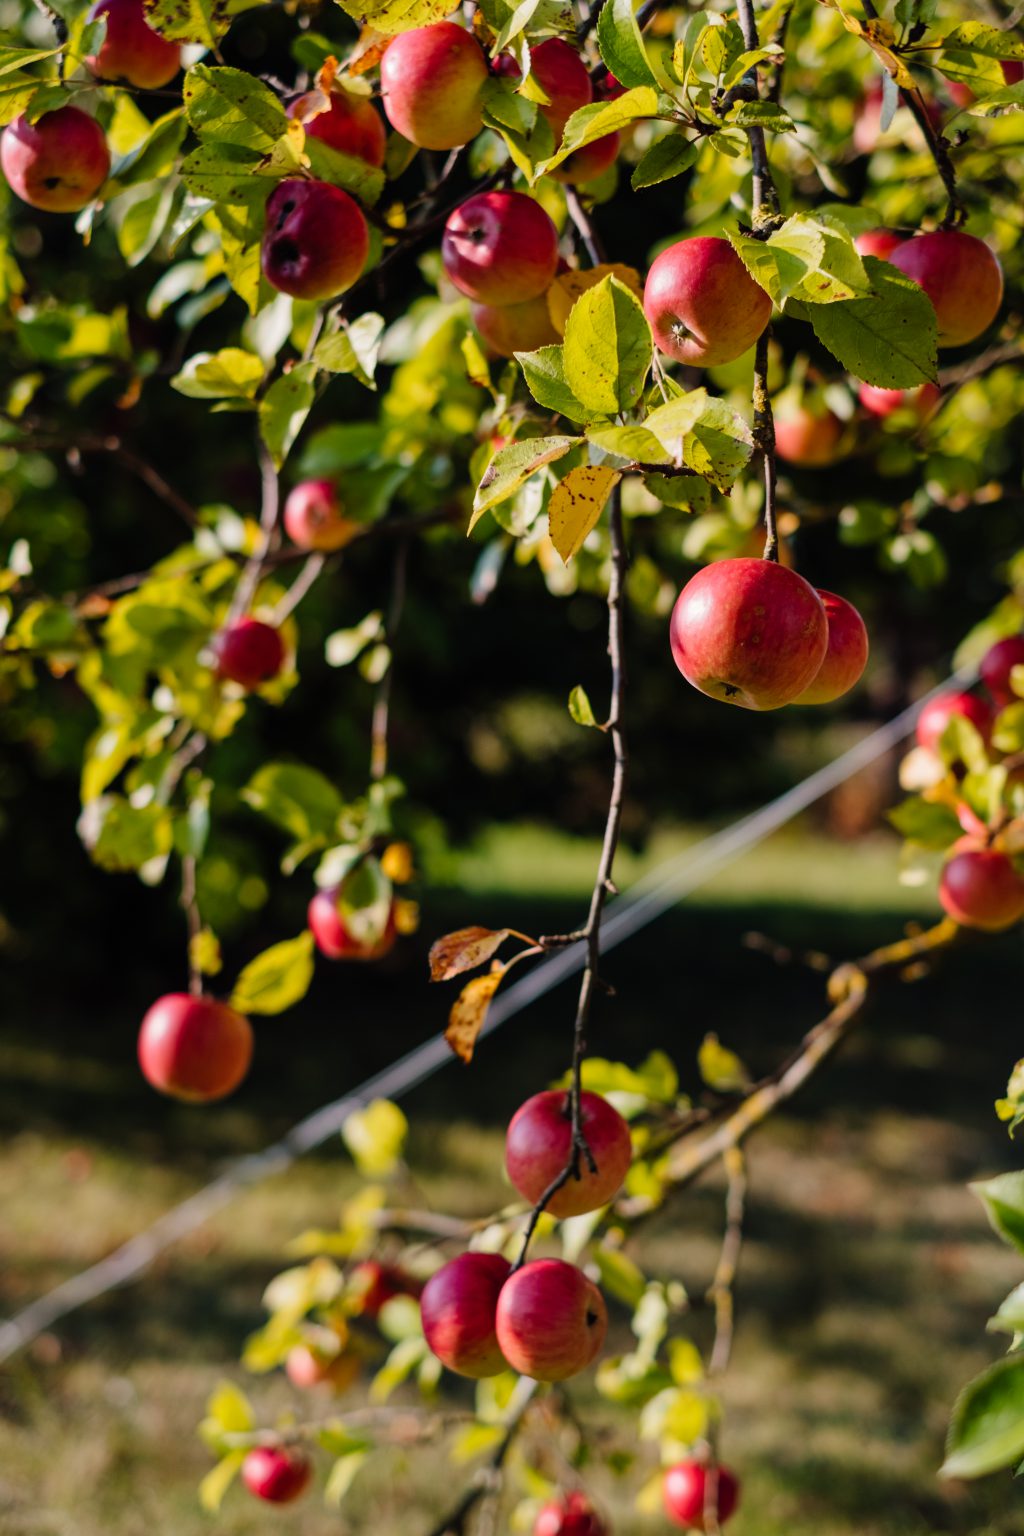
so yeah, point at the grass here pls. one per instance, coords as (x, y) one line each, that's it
(868, 1271)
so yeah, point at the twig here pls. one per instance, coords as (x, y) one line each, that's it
(720, 1292)
(255, 565)
(382, 703)
(584, 226)
(302, 584)
(194, 921)
(489, 1478)
(51, 440)
(764, 437)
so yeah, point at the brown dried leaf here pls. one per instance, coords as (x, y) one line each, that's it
(469, 1012)
(368, 52)
(464, 951)
(327, 74)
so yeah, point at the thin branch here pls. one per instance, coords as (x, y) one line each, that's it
(380, 723)
(720, 1292)
(489, 1478)
(584, 227)
(269, 510)
(50, 439)
(194, 921)
(303, 583)
(764, 437)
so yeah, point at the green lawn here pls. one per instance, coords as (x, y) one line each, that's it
(868, 1272)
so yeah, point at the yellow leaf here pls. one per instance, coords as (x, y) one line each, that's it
(396, 862)
(469, 1012)
(568, 287)
(721, 1068)
(576, 504)
(375, 1136)
(218, 1480)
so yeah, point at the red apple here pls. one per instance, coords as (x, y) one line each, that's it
(807, 437)
(249, 653)
(500, 248)
(565, 80)
(590, 162)
(572, 1514)
(315, 519)
(960, 93)
(847, 653)
(458, 1308)
(278, 1474)
(1013, 70)
(308, 1369)
(332, 929)
(510, 328)
(883, 402)
(608, 88)
(539, 1143)
(551, 1320)
(879, 242)
(750, 632)
(194, 1048)
(377, 1283)
(433, 81)
(937, 713)
(703, 306)
(960, 275)
(130, 49)
(57, 163)
(980, 888)
(692, 1489)
(315, 241)
(344, 121)
(997, 664)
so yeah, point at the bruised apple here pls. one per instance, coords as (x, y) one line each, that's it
(315, 240)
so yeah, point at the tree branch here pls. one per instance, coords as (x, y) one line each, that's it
(488, 1479)
(382, 703)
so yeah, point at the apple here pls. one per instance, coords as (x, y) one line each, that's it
(807, 437)
(590, 162)
(315, 241)
(960, 275)
(57, 163)
(937, 713)
(315, 519)
(689, 1492)
(846, 656)
(347, 123)
(458, 1308)
(565, 80)
(750, 632)
(702, 304)
(510, 328)
(960, 93)
(194, 1048)
(308, 1368)
(433, 80)
(997, 664)
(500, 248)
(376, 1283)
(538, 1146)
(572, 1514)
(551, 1320)
(130, 49)
(980, 888)
(278, 1474)
(249, 653)
(868, 126)
(879, 242)
(334, 936)
(883, 402)
(1013, 70)
(608, 88)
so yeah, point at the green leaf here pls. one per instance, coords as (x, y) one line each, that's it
(512, 466)
(544, 372)
(607, 350)
(707, 434)
(276, 979)
(889, 340)
(122, 836)
(227, 173)
(341, 1477)
(976, 37)
(760, 114)
(233, 107)
(987, 1428)
(1003, 1199)
(667, 157)
(344, 645)
(353, 349)
(154, 154)
(375, 1136)
(930, 825)
(298, 799)
(580, 707)
(632, 444)
(720, 1067)
(353, 175)
(284, 408)
(620, 1276)
(603, 117)
(1010, 1317)
(621, 45)
(230, 374)
(194, 21)
(18, 58)
(391, 16)
(813, 260)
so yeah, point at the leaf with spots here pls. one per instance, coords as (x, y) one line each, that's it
(469, 1013)
(512, 466)
(577, 502)
(194, 21)
(464, 950)
(608, 348)
(391, 16)
(232, 107)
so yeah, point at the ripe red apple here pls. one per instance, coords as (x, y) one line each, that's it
(750, 632)
(572, 1514)
(590, 162)
(980, 888)
(314, 517)
(997, 664)
(609, 89)
(194, 1048)
(551, 1320)
(879, 242)
(702, 304)
(334, 936)
(500, 248)
(58, 163)
(689, 1492)
(458, 1308)
(249, 653)
(565, 80)
(936, 715)
(433, 80)
(308, 1369)
(315, 241)
(278, 1474)
(807, 437)
(348, 123)
(130, 49)
(1013, 70)
(539, 1142)
(960, 275)
(509, 328)
(883, 402)
(847, 653)
(377, 1283)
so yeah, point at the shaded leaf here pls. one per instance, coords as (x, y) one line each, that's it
(889, 340)
(1003, 1199)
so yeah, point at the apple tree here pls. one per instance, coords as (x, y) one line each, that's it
(606, 289)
